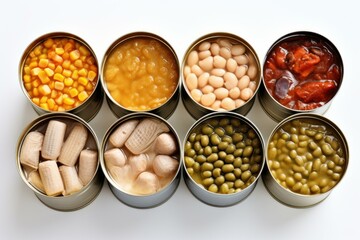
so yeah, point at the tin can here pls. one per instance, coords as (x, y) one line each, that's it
(124, 167)
(93, 95)
(223, 158)
(274, 97)
(303, 173)
(89, 191)
(233, 67)
(148, 89)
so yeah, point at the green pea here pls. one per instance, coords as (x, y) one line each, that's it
(238, 183)
(190, 152)
(223, 145)
(312, 145)
(246, 175)
(223, 122)
(285, 136)
(256, 143)
(230, 184)
(229, 158)
(237, 162)
(212, 157)
(200, 159)
(294, 138)
(189, 161)
(317, 152)
(299, 160)
(196, 167)
(188, 145)
(213, 188)
(303, 144)
(245, 167)
(248, 151)
(327, 149)
(255, 168)
(293, 130)
(198, 137)
(328, 139)
(214, 149)
(237, 172)
(197, 146)
(215, 139)
(229, 130)
(227, 168)
(190, 170)
(230, 177)
(214, 122)
(310, 133)
(293, 154)
(222, 155)
(224, 188)
(219, 131)
(244, 128)
(207, 181)
(238, 152)
(207, 130)
(240, 145)
(206, 174)
(245, 160)
(207, 166)
(296, 123)
(334, 144)
(201, 151)
(230, 149)
(248, 142)
(280, 143)
(318, 136)
(219, 180)
(251, 134)
(303, 138)
(237, 137)
(302, 130)
(216, 172)
(227, 139)
(207, 151)
(272, 152)
(204, 140)
(192, 137)
(219, 163)
(290, 145)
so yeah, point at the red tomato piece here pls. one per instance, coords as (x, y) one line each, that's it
(314, 92)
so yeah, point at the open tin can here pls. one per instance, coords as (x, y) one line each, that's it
(306, 157)
(85, 173)
(59, 72)
(140, 73)
(220, 72)
(223, 158)
(141, 159)
(302, 73)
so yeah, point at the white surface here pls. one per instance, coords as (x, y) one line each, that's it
(23, 216)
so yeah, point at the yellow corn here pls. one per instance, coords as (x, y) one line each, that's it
(35, 92)
(58, 69)
(28, 86)
(35, 71)
(59, 51)
(75, 84)
(48, 43)
(78, 63)
(27, 78)
(52, 66)
(33, 65)
(80, 88)
(36, 100)
(43, 56)
(75, 54)
(83, 81)
(59, 77)
(27, 70)
(59, 100)
(73, 92)
(66, 64)
(69, 101)
(44, 106)
(49, 72)
(91, 75)
(44, 90)
(36, 83)
(68, 82)
(61, 109)
(53, 94)
(59, 86)
(37, 50)
(75, 74)
(43, 63)
(82, 96)
(89, 87)
(66, 73)
(84, 51)
(66, 56)
(43, 99)
(43, 77)
(51, 103)
(83, 72)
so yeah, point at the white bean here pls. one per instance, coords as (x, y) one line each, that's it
(216, 82)
(241, 59)
(227, 103)
(243, 82)
(231, 65)
(193, 58)
(240, 71)
(221, 93)
(207, 89)
(208, 99)
(206, 64)
(224, 43)
(252, 85)
(216, 105)
(187, 71)
(204, 46)
(252, 72)
(197, 70)
(230, 80)
(234, 93)
(191, 81)
(196, 94)
(246, 94)
(218, 72)
(225, 53)
(203, 79)
(238, 49)
(215, 49)
(204, 54)
(219, 62)
(239, 103)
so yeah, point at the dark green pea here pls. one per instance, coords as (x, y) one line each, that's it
(189, 161)
(214, 149)
(219, 180)
(230, 149)
(216, 172)
(196, 167)
(248, 151)
(219, 131)
(237, 137)
(200, 159)
(204, 140)
(188, 145)
(235, 122)
(229, 130)
(251, 134)
(227, 139)
(237, 172)
(218, 163)
(230, 177)
(227, 168)
(238, 152)
(224, 188)
(207, 166)
(223, 122)
(222, 155)
(257, 158)
(207, 181)
(229, 158)
(248, 142)
(223, 145)
(255, 168)
(207, 151)
(245, 167)
(192, 137)
(197, 146)
(213, 188)
(206, 174)
(240, 145)
(237, 162)
(190, 152)
(213, 122)
(215, 139)
(256, 143)
(212, 157)
(244, 128)
(245, 160)
(207, 130)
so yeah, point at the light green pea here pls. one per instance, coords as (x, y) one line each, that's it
(212, 157)
(224, 188)
(248, 151)
(200, 159)
(207, 130)
(188, 145)
(218, 163)
(246, 175)
(215, 139)
(317, 152)
(290, 145)
(219, 180)
(222, 155)
(230, 177)
(237, 137)
(237, 172)
(237, 162)
(238, 183)
(207, 151)
(213, 188)
(207, 181)
(189, 161)
(223, 145)
(206, 174)
(327, 149)
(227, 168)
(216, 172)
(204, 140)
(207, 166)
(192, 137)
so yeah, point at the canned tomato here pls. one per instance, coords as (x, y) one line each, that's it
(141, 158)
(58, 158)
(140, 72)
(302, 73)
(220, 72)
(306, 157)
(223, 158)
(58, 72)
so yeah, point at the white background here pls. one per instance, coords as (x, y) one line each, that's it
(23, 216)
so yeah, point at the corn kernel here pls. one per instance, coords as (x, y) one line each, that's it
(58, 69)
(53, 93)
(51, 85)
(51, 66)
(59, 100)
(82, 96)
(36, 100)
(44, 77)
(59, 86)
(28, 86)
(75, 54)
(75, 74)
(67, 73)
(73, 92)
(66, 56)
(89, 87)
(75, 84)
(93, 68)
(69, 101)
(51, 103)
(61, 109)
(59, 77)
(80, 88)
(35, 71)
(48, 43)
(83, 58)
(35, 92)
(84, 51)
(44, 106)
(91, 75)
(43, 56)
(27, 70)
(27, 78)
(56, 107)
(83, 72)
(66, 64)
(43, 99)
(49, 72)
(73, 67)
(43, 63)
(37, 50)
(58, 58)
(69, 47)
(65, 91)
(90, 60)
(36, 83)
(59, 51)
(78, 63)
(33, 65)
(68, 82)
(83, 81)
(44, 90)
